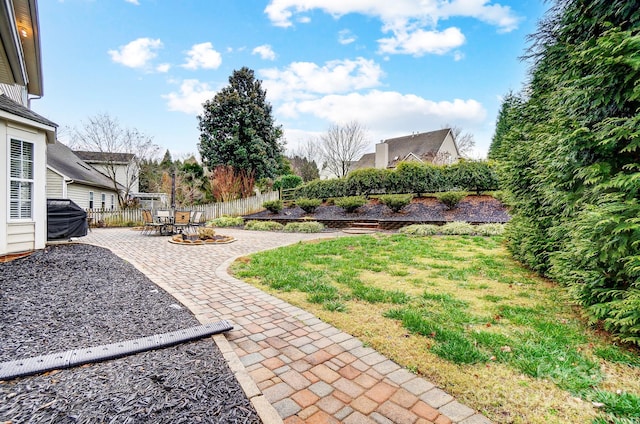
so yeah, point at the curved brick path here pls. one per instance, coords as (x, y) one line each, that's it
(309, 371)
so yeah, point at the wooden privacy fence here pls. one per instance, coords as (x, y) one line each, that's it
(122, 217)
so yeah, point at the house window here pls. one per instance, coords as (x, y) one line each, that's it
(113, 202)
(21, 180)
(91, 200)
(103, 201)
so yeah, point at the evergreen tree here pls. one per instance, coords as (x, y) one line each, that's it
(570, 158)
(238, 129)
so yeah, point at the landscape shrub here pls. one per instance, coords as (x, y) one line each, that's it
(286, 182)
(273, 206)
(366, 181)
(304, 227)
(451, 199)
(477, 176)
(263, 226)
(414, 177)
(226, 221)
(322, 189)
(396, 202)
(308, 205)
(350, 203)
(490, 230)
(420, 230)
(458, 228)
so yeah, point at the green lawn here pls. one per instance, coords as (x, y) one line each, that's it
(461, 312)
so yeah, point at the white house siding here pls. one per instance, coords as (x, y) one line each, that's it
(55, 185)
(124, 174)
(17, 93)
(23, 235)
(79, 193)
(448, 153)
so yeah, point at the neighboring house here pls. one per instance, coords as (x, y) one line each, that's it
(69, 177)
(119, 166)
(436, 147)
(24, 134)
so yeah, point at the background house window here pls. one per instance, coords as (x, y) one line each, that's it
(91, 200)
(21, 180)
(113, 202)
(103, 201)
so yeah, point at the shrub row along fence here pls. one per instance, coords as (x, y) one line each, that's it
(129, 217)
(408, 177)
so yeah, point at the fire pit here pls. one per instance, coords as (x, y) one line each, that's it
(205, 235)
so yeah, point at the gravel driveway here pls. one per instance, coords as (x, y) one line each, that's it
(75, 296)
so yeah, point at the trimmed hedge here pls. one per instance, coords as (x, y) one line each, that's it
(285, 182)
(408, 177)
(263, 226)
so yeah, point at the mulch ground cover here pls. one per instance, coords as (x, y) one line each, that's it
(474, 209)
(75, 296)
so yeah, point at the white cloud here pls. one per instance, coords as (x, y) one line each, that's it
(388, 113)
(306, 79)
(413, 24)
(136, 54)
(203, 56)
(280, 12)
(163, 67)
(420, 42)
(346, 37)
(136, 2)
(265, 51)
(190, 97)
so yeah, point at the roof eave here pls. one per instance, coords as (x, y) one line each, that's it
(49, 130)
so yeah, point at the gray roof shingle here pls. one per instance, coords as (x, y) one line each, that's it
(8, 105)
(65, 161)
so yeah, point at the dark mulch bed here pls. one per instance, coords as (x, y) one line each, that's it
(75, 296)
(475, 209)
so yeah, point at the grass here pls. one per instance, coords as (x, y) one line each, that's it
(459, 311)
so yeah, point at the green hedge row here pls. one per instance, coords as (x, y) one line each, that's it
(408, 177)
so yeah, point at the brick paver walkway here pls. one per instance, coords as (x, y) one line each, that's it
(309, 371)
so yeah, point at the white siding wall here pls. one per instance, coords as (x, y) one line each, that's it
(447, 153)
(55, 185)
(19, 236)
(80, 195)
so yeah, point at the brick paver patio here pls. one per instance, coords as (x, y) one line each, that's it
(309, 371)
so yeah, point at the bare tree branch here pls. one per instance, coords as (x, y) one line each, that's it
(341, 145)
(103, 133)
(465, 141)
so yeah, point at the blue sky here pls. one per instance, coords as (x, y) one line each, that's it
(396, 67)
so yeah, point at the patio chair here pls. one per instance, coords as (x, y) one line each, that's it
(182, 221)
(148, 224)
(196, 219)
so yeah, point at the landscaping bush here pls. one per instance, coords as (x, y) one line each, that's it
(451, 198)
(273, 206)
(226, 221)
(413, 177)
(458, 228)
(366, 181)
(263, 226)
(490, 230)
(475, 176)
(396, 202)
(304, 227)
(322, 189)
(420, 230)
(308, 205)
(350, 203)
(286, 182)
